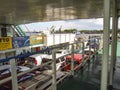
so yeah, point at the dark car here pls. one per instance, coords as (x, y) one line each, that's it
(5, 72)
(41, 81)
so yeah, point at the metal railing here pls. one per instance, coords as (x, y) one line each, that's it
(14, 74)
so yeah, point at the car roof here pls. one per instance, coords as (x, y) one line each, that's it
(87, 49)
(37, 55)
(2, 67)
(57, 56)
(61, 50)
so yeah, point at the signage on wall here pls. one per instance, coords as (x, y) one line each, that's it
(21, 41)
(36, 40)
(5, 43)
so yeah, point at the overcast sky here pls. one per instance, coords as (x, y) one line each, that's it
(80, 24)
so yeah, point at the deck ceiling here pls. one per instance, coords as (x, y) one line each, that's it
(28, 11)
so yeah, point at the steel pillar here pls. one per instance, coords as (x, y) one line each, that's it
(72, 61)
(115, 28)
(54, 85)
(114, 42)
(83, 52)
(106, 34)
(14, 75)
(89, 45)
(53, 38)
(4, 31)
(60, 38)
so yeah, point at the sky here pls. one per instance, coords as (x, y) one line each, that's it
(79, 24)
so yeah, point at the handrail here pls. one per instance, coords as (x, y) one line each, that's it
(23, 73)
(36, 67)
(26, 54)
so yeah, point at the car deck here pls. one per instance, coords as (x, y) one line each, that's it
(89, 78)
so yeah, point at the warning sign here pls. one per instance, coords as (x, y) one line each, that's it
(5, 43)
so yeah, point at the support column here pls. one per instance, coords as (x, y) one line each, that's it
(83, 51)
(54, 85)
(53, 38)
(90, 47)
(72, 61)
(4, 31)
(14, 75)
(116, 28)
(105, 57)
(114, 43)
(60, 34)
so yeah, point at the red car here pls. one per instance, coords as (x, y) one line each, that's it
(77, 61)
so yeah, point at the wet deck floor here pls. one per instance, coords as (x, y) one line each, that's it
(89, 79)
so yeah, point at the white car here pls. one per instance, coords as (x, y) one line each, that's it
(35, 60)
(6, 69)
(59, 61)
(62, 52)
(87, 51)
(38, 59)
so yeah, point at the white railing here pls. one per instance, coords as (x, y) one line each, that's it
(54, 82)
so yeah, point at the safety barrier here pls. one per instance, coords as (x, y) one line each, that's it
(54, 80)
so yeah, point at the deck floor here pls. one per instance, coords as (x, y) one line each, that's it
(89, 78)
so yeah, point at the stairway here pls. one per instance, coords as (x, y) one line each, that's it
(18, 30)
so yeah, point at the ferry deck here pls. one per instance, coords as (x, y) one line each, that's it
(94, 77)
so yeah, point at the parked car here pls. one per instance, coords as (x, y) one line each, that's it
(41, 81)
(87, 51)
(93, 42)
(59, 61)
(6, 69)
(77, 57)
(5, 72)
(77, 61)
(62, 52)
(35, 60)
(38, 59)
